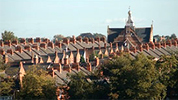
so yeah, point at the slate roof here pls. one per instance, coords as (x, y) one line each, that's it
(113, 33)
(14, 70)
(62, 78)
(143, 33)
(157, 52)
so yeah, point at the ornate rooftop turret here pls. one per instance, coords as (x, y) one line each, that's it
(129, 22)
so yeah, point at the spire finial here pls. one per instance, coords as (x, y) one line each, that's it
(129, 11)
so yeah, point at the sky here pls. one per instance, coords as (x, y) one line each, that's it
(46, 18)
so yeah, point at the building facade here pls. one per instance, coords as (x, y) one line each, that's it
(130, 35)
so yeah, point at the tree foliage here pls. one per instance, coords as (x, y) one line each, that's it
(81, 87)
(8, 35)
(58, 37)
(90, 35)
(3, 66)
(6, 86)
(37, 84)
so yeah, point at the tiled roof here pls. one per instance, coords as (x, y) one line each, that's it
(113, 33)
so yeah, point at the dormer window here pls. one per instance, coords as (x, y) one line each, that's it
(131, 34)
(125, 44)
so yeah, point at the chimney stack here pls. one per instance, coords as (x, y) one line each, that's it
(15, 42)
(43, 45)
(152, 45)
(164, 44)
(169, 43)
(36, 59)
(38, 40)
(110, 45)
(174, 42)
(133, 49)
(78, 56)
(92, 40)
(30, 40)
(58, 44)
(66, 60)
(116, 49)
(97, 61)
(158, 45)
(2, 52)
(103, 39)
(78, 67)
(46, 40)
(73, 40)
(147, 47)
(86, 40)
(23, 41)
(105, 45)
(56, 60)
(27, 47)
(35, 46)
(140, 47)
(8, 42)
(97, 39)
(5, 57)
(89, 68)
(40, 60)
(126, 49)
(19, 49)
(50, 44)
(79, 38)
(10, 51)
(1, 43)
(49, 60)
(66, 40)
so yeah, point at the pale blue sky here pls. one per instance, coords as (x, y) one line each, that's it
(45, 18)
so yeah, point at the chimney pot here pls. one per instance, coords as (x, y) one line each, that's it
(79, 38)
(1, 43)
(30, 40)
(35, 46)
(2, 52)
(38, 40)
(50, 44)
(15, 42)
(19, 49)
(66, 40)
(10, 51)
(97, 39)
(43, 45)
(103, 39)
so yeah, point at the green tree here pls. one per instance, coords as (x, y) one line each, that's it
(79, 87)
(98, 35)
(58, 37)
(37, 85)
(173, 36)
(168, 73)
(3, 66)
(93, 55)
(6, 86)
(8, 35)
(82, 60)
(133, 78)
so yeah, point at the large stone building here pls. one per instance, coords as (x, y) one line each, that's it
(130, 35)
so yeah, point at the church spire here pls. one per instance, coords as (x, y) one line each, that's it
(129, 21)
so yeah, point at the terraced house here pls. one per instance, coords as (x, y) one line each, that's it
(64, 57)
